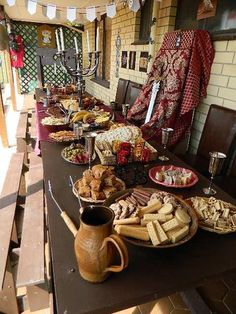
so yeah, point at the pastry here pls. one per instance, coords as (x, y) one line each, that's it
(110, 180)
(85, 191)
(96, 185)
(87, 176)
(109, 190)
(97, 195)
(98, 171)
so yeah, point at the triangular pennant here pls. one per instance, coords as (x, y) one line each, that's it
(71, 14)
(111, 10)
(51, 11)
(11, 2)
(32, 6)
(134, 5)
(91, 13)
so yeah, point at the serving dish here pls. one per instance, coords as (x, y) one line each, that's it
(193, 225)
(76, 154)
(172, 176)
(62, 136)
(214, 215)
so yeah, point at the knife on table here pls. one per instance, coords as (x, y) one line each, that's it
(64, 215)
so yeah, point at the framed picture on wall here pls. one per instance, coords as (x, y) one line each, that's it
(132, 60)
(124, 59)
(46, 37)
(143, 61)
(206, 8)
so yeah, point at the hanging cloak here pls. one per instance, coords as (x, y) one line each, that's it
(17, 55)
(183, 66)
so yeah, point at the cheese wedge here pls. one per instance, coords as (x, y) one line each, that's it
(180, 234)
(182, 216)
(171, 224)
(150, 209)
(131, 232)
(166, 209)
(151, 217)
(153, 234)
(161, 233)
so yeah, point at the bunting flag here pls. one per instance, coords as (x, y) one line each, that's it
(111, 10)
(91, 13)
(32, 6)
(51, 11)
(134, 5)
(11, 2)
(71, 14)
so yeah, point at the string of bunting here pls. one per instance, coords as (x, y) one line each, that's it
(90, 12)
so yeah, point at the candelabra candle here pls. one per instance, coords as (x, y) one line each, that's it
(62, 40)
(76, 45)
(88, 44)
(58, 41)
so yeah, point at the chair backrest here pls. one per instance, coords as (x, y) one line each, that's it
(219, 131)
(121, 92)
(133, 91)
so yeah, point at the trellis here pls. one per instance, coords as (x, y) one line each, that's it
(28, 75)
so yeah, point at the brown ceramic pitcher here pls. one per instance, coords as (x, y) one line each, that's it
(95, 243)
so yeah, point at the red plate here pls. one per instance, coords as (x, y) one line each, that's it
(154, 170)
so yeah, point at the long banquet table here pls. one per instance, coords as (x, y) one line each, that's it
(151, 274)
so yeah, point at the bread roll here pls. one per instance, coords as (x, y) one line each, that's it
(96, 185)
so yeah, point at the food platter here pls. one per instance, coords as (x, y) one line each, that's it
(193, 225)
(225, 214)
(62, 136)
(67, 154)
(89, 199)
(186, 178)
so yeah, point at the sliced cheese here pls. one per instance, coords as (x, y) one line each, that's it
(182, 216)
(161, 233)
(180, 234)
(171, 224)
(153, 234)
(166, 209)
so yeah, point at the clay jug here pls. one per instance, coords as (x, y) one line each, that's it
(95, 244)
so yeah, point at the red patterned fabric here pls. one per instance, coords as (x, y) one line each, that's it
(185, 73)
(17, 56)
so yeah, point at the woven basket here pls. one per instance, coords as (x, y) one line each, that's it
(111, 160)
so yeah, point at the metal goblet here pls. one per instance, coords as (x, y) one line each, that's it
(90, 145)
(125, 109)
(215, 165)
(78, 130)
(165, 135)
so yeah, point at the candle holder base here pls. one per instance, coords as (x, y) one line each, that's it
(163, 158)
(209, 191)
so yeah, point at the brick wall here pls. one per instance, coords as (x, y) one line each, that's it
(221, 89)
(127, 22)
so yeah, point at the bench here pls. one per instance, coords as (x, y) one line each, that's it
(31, 268)
(21, 134)
(8, 203)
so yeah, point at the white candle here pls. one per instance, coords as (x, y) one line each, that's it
(88, 44)
(97, 40)
(58, 41)
(55, 68)
(62, 40)
(76, 45)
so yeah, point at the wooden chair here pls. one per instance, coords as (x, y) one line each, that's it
(8, 203)
(121, 92)
(218, 135)
(132, 93)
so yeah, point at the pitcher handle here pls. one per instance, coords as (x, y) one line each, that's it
(121, 248)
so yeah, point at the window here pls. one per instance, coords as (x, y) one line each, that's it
(102, 75)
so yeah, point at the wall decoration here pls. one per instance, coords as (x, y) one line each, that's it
(46, 37)
(143, 61)
(206, 8)
(132, 60)
(124, 59)
(118, 46)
